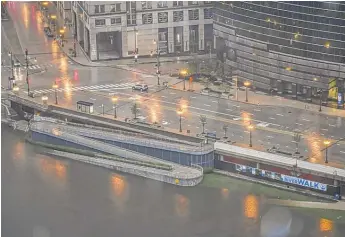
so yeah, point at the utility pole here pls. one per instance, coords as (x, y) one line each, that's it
(27, 70)
(11, 79)
(158, 63)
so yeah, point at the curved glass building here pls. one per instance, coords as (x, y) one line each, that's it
(295, 48)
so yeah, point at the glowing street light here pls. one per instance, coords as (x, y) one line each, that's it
(250, 128)
(62, 31)
(15, 89)
(183, 73)
(114, 99)
(180, 113)
(327, 45)
(326, 143)
(247, 84)
(44, 99)
(45, 3)
(55, 87)
(53, 16)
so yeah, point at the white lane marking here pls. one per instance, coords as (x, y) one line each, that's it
(280, 115)
(324, 129)
(272, 118)
(263, 125)
(193, 97)
(299, 124)
(214, 101)
(342, 152)
(172, 93)
(163, 96)
(229, 109)
(331, 125)
(257, 110)
(236, 118)
(92, 99)
(307, 120)
(207, 105)
(237, 106)
(269, 136)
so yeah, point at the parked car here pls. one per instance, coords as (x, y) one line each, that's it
(140, 87)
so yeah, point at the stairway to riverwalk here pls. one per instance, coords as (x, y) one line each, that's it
(52, 130)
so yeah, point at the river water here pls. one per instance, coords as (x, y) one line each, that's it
(44, 196)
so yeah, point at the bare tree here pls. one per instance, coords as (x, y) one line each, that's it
(135, 110)
(203, 122)
(225, 129)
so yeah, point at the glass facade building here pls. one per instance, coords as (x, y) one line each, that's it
(295, 48)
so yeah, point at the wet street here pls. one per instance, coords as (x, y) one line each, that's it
(46, 197)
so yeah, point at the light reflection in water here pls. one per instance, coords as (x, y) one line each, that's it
(225, 193)
(246, 117)
(119, 190)
(251, 207)
(54, 169)
(182, 205)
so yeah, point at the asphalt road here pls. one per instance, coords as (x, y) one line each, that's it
(273, 125)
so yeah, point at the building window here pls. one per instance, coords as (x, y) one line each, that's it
(208, 13)
(146, 5)
(162, 36)
(207, 2)
(178, 16)
(162, 4)
(131, 19)
(162, 17)
(193, 3)
(147, 18)
(115, 21)
(115, 7)
(99, 9)
(193, 14)
(177, 3)
(100, 22)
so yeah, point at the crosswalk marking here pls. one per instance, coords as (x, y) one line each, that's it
(90, 88)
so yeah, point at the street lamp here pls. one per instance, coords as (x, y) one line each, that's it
(55, 87)
(114, 99)
(102, 109)
(180, 112)
(15, 89)
(247, 84)
(53, 16)
(12, 73)
(320, 92)
(158, 63)
(326, 143)
(184, 73)
(44, 99)
(250, 128)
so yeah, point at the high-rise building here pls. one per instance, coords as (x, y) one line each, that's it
(295, 48)
(109, 30)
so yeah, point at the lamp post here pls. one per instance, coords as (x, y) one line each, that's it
(320, 92)
(250, 128)
(247, 84)
(114, 99)
(27, 70)
(62, 36)
(158, 63)
(326, 143)
(184, 73)
(55, 87)
(180, 112)
(102, 109)
(11, 79)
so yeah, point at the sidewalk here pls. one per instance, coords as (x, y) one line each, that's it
(338, 206)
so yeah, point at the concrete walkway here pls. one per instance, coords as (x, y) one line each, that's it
(338, 206)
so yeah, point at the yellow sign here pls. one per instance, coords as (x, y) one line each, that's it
(177, 181)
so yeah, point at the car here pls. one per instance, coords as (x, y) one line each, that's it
(140, 87)
(16, 64)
